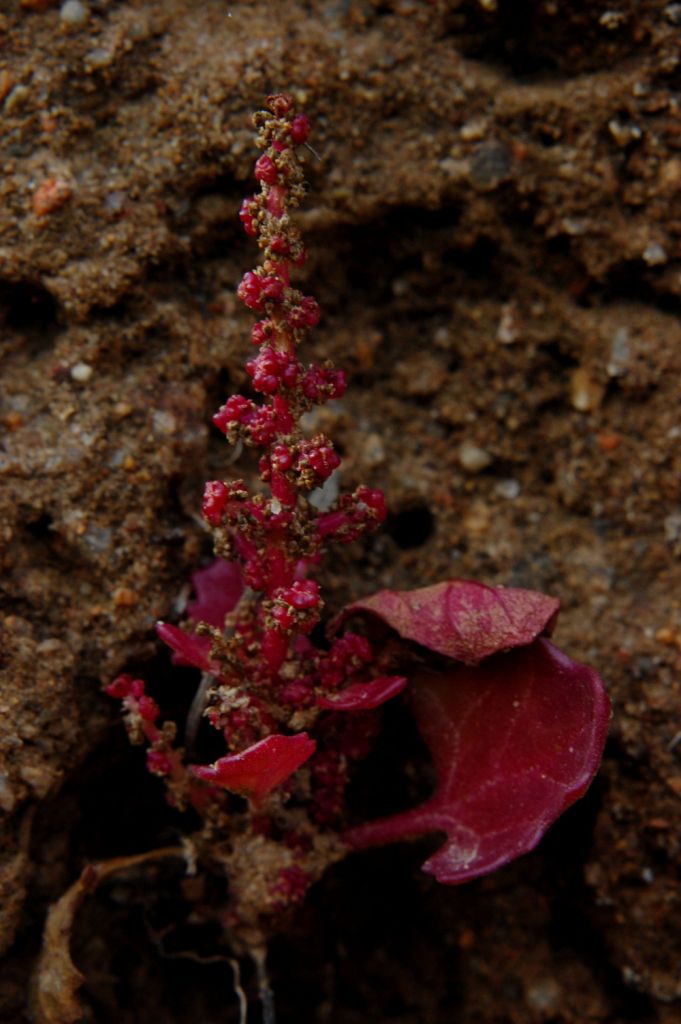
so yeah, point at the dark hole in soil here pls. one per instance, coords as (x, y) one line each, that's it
(27, 305)
(41, 527)
(411, 527)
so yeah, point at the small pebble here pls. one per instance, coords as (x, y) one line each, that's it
(624, 132)
(473, 458)
(619, 353)
(672, 527)
(164, 423)
(490, 166)
(50, 195)
(477, 519)
(124, 597)
(73, 14)
(473, 131)
(509, 327)
(612, 19)
(373, 451)
(545, 995)
(654, 254)
(81, 372)
(509, 489)
(586, 394)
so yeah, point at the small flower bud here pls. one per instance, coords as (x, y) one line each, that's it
(280, 246)
(215, 498)
(300, 129)
(266, 170)
(121, 687)
(282, 457)
(272, 288)
(148, 708)
(250, 290)
(158, 762)
(261, 332)
(235, 410)
(279, 104)
(246, 216)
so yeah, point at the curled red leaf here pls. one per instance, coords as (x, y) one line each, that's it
(364, 696)
(260, 768)
(514, 742)
(462, 619)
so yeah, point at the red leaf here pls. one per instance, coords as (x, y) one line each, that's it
(260, 768)
(364, 696)
(218, 589)
(187, 648)
(514, 742)
(462, 619)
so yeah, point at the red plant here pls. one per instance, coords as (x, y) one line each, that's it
(515, 728)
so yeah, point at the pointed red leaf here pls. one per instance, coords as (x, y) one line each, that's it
(260, 768)
(462, 619)
(364, 696)
(187, 648)
(218, 588)
(514, 743)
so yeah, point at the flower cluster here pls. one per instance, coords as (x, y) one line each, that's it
(258, 604)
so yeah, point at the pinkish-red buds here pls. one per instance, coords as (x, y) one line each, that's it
(120, 687)
(266, 170)
(320, 384)
(307, 314)
(148, 708)
(279, 104)
(159, 762)
(300, 129)
(247, 212)
(236, 409)
(318, 453)
(261, 332)
(250, 290)
(280, 246)
(272, 369)
(215, 498)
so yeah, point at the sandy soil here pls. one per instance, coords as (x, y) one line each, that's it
(494, 224)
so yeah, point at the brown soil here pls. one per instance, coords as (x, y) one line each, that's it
(494, 226)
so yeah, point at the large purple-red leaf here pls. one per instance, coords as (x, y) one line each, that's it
(514, 742)
(364, 696)
(218, 588)
(462, 619)
(260, 768)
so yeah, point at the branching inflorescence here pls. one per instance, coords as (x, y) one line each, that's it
(514, 727)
